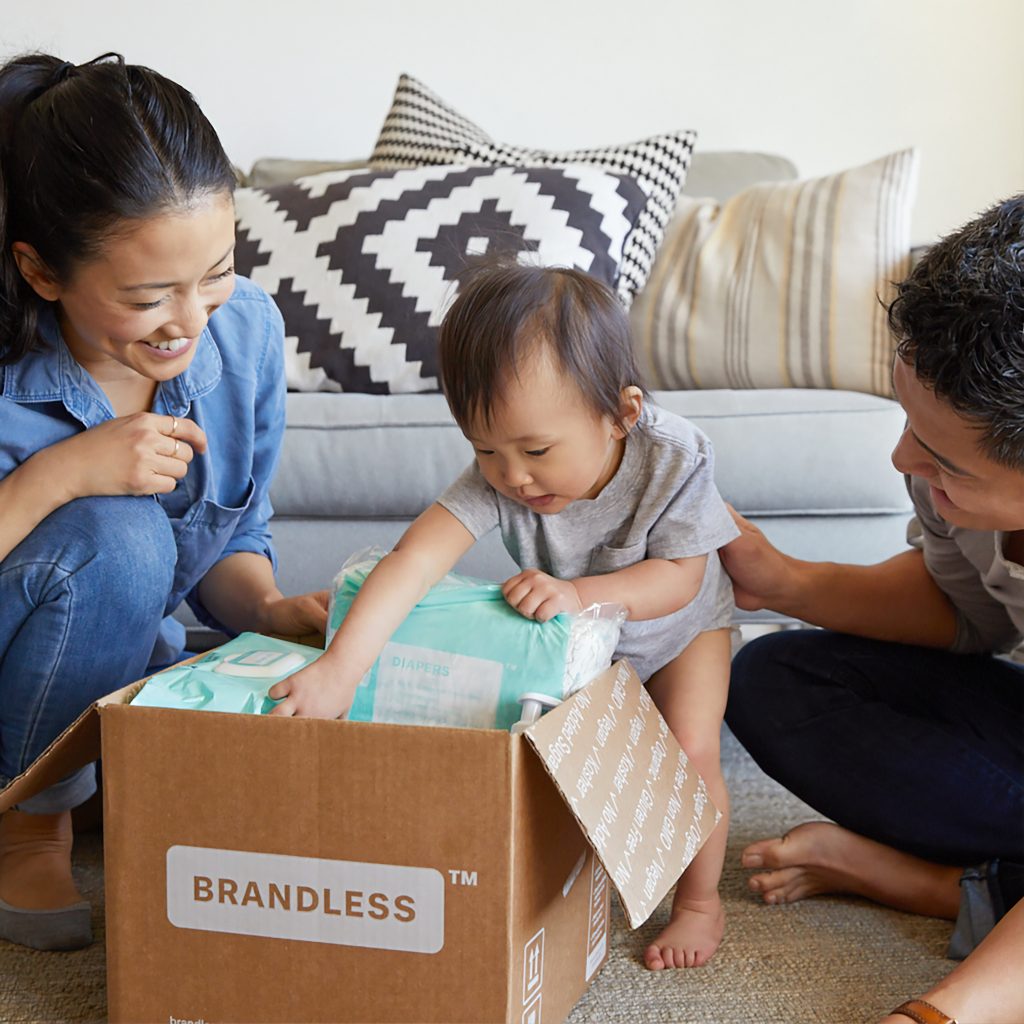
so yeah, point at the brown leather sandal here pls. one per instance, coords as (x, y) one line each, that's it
(923, 1013)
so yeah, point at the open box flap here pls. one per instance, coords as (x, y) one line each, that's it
(77, 745)
(642, 806)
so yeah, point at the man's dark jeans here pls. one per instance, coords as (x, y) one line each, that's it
(919, 749)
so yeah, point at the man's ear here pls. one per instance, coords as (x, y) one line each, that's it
(631, 404)
(35, 271)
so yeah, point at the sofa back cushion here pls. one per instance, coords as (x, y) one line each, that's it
(715, 174)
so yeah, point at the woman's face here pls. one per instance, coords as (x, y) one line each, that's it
(142, 304)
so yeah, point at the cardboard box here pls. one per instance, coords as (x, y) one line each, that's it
(265, 869)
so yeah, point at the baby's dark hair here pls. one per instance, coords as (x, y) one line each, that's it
(504, 308)
(84, 150)
(958, 320)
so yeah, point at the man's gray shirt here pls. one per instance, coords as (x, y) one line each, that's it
(661, 503)
(986, 590)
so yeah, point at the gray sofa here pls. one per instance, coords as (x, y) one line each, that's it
(810, 467)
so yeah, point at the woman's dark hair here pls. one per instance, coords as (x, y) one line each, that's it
(505, 308)
(82, 150)
(958, 320)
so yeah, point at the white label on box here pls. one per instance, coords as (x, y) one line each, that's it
(350, 903)
(416, 685)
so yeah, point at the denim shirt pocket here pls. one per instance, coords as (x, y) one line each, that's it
(609, 558)
(201, 536)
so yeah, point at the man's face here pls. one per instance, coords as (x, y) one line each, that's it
(943, 448)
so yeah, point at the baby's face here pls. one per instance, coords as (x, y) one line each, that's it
(545, 446)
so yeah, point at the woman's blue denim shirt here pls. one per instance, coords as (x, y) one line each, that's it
(234, 389)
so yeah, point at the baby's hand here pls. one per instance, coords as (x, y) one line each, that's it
(312, 692)
(536, 595)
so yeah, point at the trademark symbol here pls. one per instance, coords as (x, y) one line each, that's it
(460, 877)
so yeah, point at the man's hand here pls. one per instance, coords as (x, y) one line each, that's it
(759, 571)
(316, 691)
(538, 596)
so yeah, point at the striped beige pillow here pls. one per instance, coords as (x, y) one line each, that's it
(779, 286)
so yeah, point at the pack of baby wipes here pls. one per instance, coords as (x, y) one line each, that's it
(464, 657)
(233, 677)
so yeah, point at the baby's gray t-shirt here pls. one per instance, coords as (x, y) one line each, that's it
(661, 503)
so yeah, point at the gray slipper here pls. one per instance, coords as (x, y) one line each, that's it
(61, 928)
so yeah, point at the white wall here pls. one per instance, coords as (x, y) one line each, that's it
(830, 85)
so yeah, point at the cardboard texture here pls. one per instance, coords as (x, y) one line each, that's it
(629, 784)
(266, 869)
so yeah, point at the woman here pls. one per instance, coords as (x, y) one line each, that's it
(141, 415)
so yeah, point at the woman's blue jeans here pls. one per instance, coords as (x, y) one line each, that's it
(920, 749)
(81, 602)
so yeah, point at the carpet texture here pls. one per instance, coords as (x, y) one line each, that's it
(827, 960)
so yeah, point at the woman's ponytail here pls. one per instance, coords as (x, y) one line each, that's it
(22, 81)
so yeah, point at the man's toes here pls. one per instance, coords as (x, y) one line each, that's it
(773, 884)
(763, 853)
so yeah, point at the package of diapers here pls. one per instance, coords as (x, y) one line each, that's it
(234, 677)
(464, 657)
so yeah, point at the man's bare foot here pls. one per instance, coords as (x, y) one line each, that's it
(35, 861)
(820, 857)
(691, 937)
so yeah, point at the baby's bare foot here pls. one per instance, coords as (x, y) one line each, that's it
(691, 937)
(820, 857)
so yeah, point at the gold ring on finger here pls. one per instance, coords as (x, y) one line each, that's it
(174, 425)
(177, 444)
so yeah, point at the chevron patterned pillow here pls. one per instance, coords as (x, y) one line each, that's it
(362, 264)
(421, 129)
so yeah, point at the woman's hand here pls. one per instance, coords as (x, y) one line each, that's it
(758, 569)
(536, 595)
(144, 453)
(296, 616)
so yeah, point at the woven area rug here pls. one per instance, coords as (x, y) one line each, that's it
(824, 960)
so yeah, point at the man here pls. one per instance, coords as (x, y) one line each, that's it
(896, 720)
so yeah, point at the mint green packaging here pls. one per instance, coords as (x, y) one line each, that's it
(464, 657)
(233, 677)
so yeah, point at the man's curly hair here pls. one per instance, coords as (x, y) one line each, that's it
(958, 320)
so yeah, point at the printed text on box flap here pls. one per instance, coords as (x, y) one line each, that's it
(643, 807)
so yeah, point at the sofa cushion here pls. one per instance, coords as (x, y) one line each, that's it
(782, 285)
(719, 174)
(362, 263)
(778, 453)
(422, 129)
(811, 468)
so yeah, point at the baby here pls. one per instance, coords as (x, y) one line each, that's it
(600, 496)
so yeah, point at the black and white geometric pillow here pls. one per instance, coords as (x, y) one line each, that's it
(362, 263)
(422, 129)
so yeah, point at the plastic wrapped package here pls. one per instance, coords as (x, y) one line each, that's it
(233, 677)
(463, 656)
